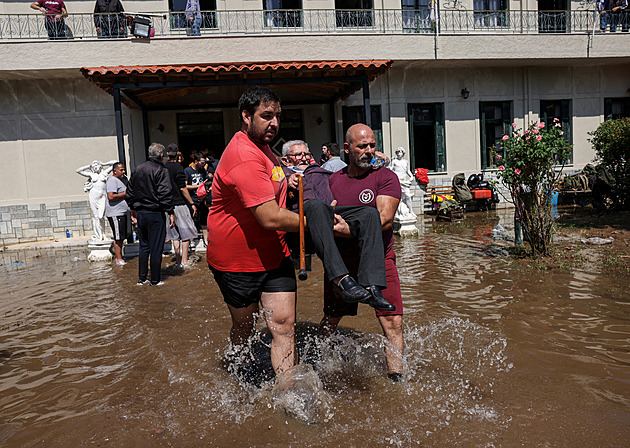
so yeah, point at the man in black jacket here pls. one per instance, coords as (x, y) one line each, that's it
(150, 195)
(108, 18)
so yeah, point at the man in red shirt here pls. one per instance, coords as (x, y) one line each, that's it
(361, 184)
(247, 252)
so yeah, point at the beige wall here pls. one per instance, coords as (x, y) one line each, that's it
(49, 128)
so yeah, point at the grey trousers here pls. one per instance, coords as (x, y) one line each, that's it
(365, 226)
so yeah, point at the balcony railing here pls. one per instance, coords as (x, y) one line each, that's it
(382, 21)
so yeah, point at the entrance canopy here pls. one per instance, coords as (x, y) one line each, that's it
(185, 86)
(176, 87)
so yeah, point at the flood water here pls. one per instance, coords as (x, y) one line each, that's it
(497, 354)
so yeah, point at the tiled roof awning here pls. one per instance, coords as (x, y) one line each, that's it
(216, 85)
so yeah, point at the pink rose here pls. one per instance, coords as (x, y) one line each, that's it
(539, 137)
(561, 132)
(557, 125)
(541, 125)
(556, 120)
(499, 156)
(535, 131)
(505, 137)
(501, 168)
(527, 131)
(513, 125)
(517, 171)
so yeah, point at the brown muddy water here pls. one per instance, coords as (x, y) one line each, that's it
(497, 354)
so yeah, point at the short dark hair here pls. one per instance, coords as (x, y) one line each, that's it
(198, 156)
(117, 164)
(252, 97)
(333, 149)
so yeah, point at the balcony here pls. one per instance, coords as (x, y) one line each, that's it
(308, 21)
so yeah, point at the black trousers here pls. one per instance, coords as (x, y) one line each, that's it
(151, 234)
(365, 226)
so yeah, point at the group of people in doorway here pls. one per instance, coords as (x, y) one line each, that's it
(349, 213)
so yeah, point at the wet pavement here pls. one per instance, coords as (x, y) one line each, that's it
(498, 353)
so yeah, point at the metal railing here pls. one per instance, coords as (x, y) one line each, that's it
(383, 21)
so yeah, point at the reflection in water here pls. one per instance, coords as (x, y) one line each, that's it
(496, 354)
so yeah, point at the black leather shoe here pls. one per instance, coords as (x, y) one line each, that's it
(350, 291)
(377, 300)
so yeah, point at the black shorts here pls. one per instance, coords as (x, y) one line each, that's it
(241, 289)
(119, 227)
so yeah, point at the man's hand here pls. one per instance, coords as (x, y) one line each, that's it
(191, 20)
(194, 209)
(341, 228)
(133, 217)
(292, 181)
(172, 221)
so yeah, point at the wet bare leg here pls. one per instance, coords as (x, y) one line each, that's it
(243, 323)
(279, 312)
(328, 326)
(176, 249)
(184, 256)
(118, 244)
(392, 329)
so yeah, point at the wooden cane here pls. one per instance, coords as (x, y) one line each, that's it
(302, 275)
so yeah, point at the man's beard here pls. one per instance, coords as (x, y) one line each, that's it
(364, 161)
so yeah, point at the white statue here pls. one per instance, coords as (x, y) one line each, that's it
(97, 173)
(400, 166)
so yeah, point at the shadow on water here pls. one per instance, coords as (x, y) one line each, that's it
(496, 354)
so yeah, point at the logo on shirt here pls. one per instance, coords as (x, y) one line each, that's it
(366, 196)
(277, 174)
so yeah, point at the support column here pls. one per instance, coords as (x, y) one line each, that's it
(119, 125)
(366, 100)
(145, 129)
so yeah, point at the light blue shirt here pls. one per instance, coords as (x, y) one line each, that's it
(334, 164)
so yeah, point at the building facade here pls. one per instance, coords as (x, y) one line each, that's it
(444, 80)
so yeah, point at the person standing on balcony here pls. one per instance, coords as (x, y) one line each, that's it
(193, 17)
(108, 18)
(55, 11)
(611, 13)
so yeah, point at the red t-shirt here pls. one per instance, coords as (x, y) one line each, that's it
(247, 175)
(364, 189)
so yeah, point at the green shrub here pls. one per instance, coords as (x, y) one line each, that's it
(611, 142)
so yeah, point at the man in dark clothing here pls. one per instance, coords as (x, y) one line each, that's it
(108, 18)
(364, 224)
(196, 174)
(150, 195)
(184, 229)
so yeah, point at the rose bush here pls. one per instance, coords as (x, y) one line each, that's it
(530, 169)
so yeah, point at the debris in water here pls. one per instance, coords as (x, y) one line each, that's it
(300, 393)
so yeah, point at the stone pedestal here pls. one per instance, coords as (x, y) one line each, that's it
(405, 226)
(100, 250)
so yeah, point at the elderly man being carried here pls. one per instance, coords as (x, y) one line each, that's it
(321, 216)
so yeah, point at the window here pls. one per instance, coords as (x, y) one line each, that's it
(552, 16)
(208, 13)
(354, 13)
(615, 108)
(560, 109)
(356, 114)
(283, 13)
(418, 15)
(196, 131)
(495, 121)
(490, 13)
(426, 136)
